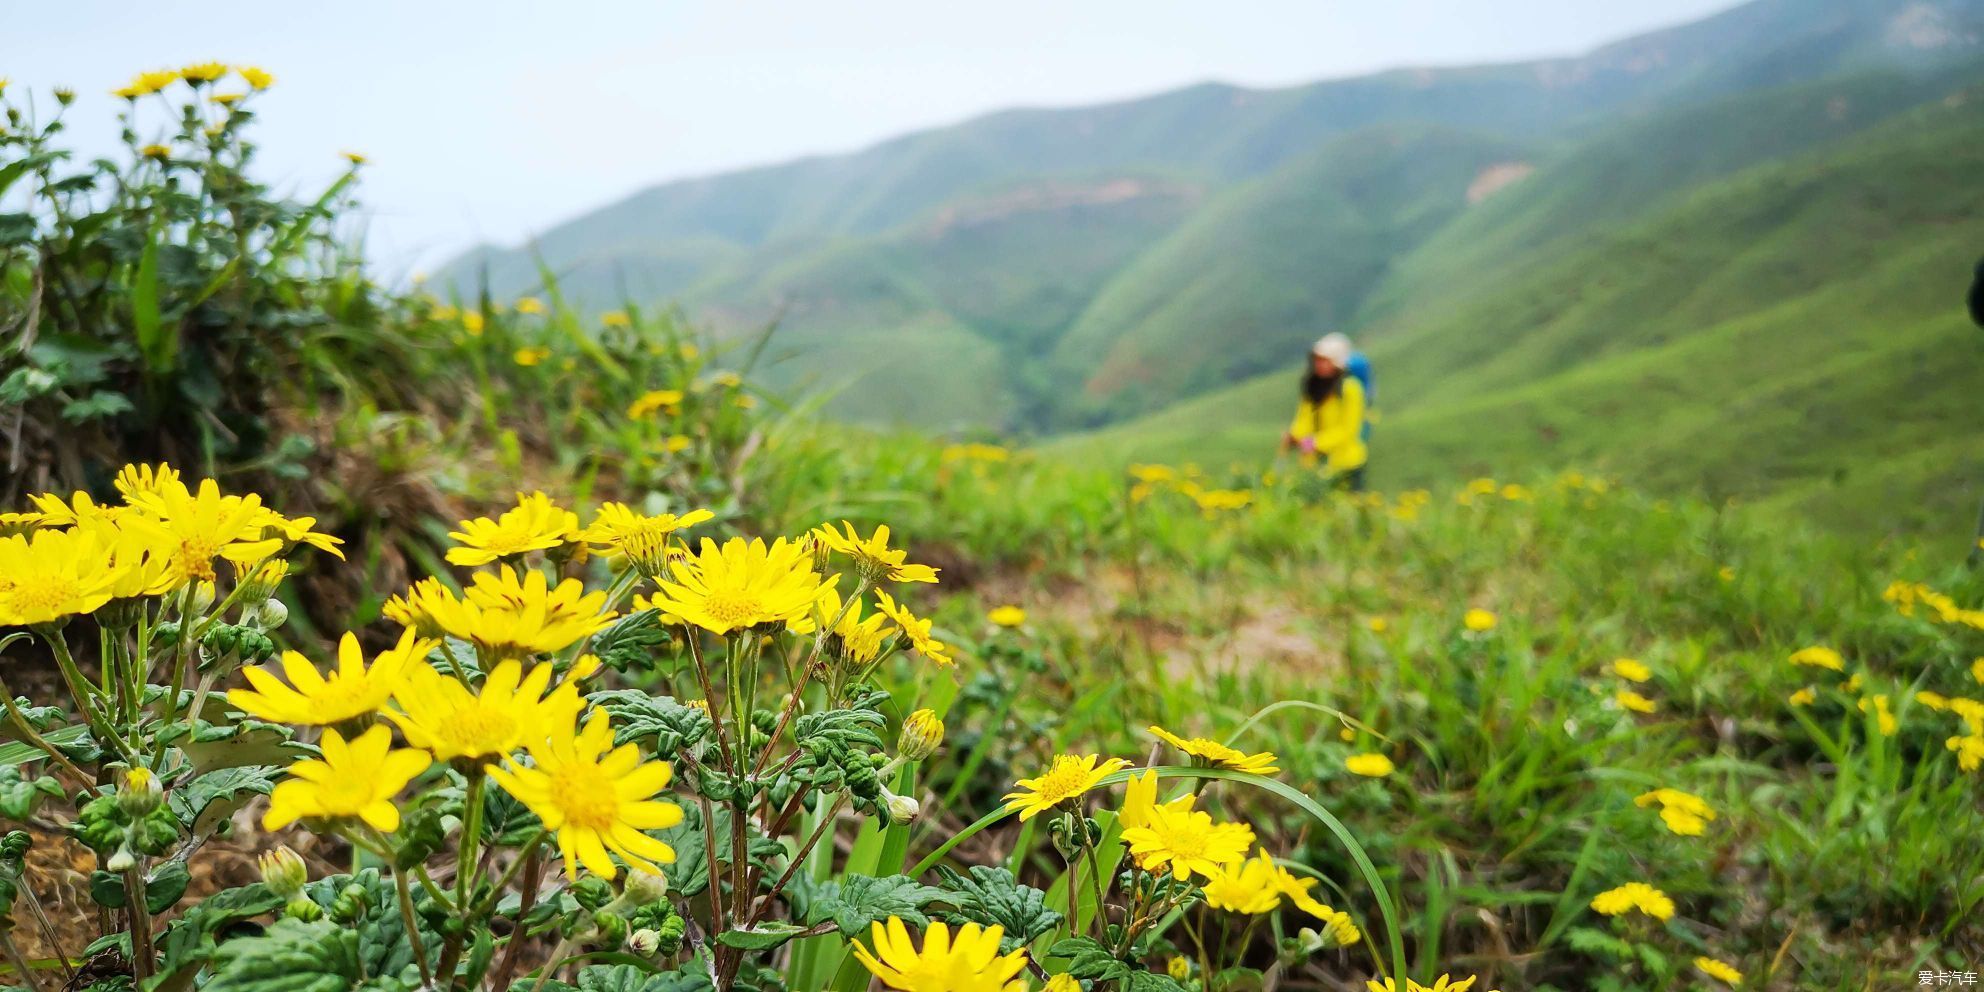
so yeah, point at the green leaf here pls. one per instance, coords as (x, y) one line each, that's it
(208, 800)
(21, 794)
(852, 903)
(991, 896)
(1150, 981)
(160, 349)
(96, 406)
(165, 885)
(289, 957)
(763, 937)
(632, 978)
(1088, 959)
(632, 643)
(672, 726)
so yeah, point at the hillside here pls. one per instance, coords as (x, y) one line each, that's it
(1790, 333)
(1292, 217)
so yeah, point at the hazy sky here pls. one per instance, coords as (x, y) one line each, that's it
(492, 120)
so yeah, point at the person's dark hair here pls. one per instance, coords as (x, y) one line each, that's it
(1317, 388)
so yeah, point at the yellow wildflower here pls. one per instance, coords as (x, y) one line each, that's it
(741, 584)
(1219, 755)
(1443, 984)
(1804, 697)
(917, 630)
(528, 357)
(203, 72)
(1631, 670)
(1140, 797)
(256, 78)
(861, 638)
(51, 574)
(529, 305)
(1884, 720)
(534, 524)
(969, 962)
(1720, 971)
(1684, 812)
(311, 699)
(1067, 779)
(1187, 841)
(615, 318)
(1634, 701)
(357, 779)
(443, 717)
(1369, 765)
(1631, 896)
(872, 556)
(1969, 751)
(1818, 657)
(1479, 620)
(1379, 625)
(641, 539)
(1006, 616)
(208, 525)
(665, 400)
(507, 615)
(596, 797)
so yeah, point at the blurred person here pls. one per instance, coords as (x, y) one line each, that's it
(1332, 421)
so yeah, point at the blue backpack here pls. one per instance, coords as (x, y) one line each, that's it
(1360, 369)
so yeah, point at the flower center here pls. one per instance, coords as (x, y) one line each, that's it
(1062, 781)
(44, 597)
(734, 607)
(196, 558)
(586, 796)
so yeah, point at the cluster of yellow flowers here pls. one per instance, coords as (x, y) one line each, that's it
(1635, 672)
(1968, 746)
(1187, 481)
(1165, 839)
(72, 557)
(1908, 596)
(196, 75)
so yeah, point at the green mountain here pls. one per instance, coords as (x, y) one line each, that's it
(1715, 256)
(1788, 333)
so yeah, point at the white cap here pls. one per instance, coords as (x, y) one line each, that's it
(1335, 347)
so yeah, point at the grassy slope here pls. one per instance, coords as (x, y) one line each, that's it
(1778, 335)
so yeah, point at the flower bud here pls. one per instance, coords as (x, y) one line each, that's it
(644, 942)
(303, 910)
(902, 809)
(203, 599)
(269, 614)
(260, 582)
(138, 792)
(64, 95)
(284, 872)
(643, 889)
(123, 860)
(921, 734)
(1179, 967)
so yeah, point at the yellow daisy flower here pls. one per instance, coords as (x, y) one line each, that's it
(917, 630)
(970, 962)
(311, 699)
(357, 779)
(872, 556)
(664, 400)
(741, 584)
(1068, 778)
(506, 615)
(1818, 657)
(1479, 620)
(203, 72)
(1719, 970)
(529, 305)
(1186, 842)
(642, 539)
(1631, 670)
(597, 798)
(1219, 755)
(1445, 983)
(1631, 896)
(442, 716)
(1804, 697)
(1140, 797)
(1006, 616)
(1369, 765)
(861, 638)
(209, 525)
(51, 574)
(534, 524)
(256, 78)
(1684, 812)
(1634, 701)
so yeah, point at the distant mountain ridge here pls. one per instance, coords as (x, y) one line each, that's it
(1041, 270)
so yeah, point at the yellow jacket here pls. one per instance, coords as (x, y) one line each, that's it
(1336, 424)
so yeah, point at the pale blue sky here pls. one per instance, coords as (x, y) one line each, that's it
(492, 120)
